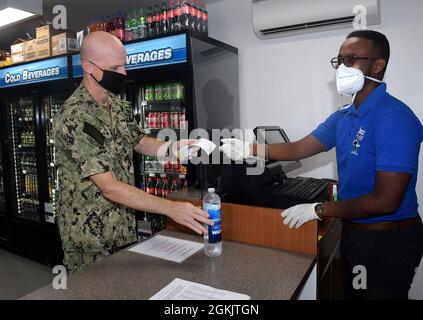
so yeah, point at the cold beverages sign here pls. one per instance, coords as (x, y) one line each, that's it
(158, 52)
(147, 54)
(46, 70)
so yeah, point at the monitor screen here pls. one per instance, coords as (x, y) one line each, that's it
(275, 135)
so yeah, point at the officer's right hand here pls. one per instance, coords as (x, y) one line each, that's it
(189, 215)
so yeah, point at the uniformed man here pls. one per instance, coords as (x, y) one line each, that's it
(377, 141)
(95, 139)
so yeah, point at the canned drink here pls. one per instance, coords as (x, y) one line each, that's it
(149, 93)
(153, 120)
(174, 120)
(165, 119)
(158, 91)
(174, 91)
(179, 91)
(167, 92)
(182, 120)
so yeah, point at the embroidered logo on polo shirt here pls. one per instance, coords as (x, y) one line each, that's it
(357, 142)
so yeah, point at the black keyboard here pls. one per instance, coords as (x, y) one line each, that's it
(302, 189)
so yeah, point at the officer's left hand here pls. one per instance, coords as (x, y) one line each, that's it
(300, 214)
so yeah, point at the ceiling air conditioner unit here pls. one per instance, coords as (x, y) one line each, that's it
(278, 18)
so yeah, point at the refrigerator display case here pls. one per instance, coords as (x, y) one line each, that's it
(30, 95)
(197, 88)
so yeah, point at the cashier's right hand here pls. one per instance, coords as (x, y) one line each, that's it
(236, 149)
(190, 216)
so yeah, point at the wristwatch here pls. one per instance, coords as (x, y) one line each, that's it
(318, 209)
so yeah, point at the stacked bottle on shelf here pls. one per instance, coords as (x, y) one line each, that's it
(162, 185)
(161, 19)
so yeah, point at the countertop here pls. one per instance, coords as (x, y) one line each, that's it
(262, 273)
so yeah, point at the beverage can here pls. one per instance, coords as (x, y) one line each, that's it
(165, 119)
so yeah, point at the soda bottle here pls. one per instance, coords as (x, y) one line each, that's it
(205, 21)
(163, 19)
(150, 30)
(110, 26)
(158, 188)
(185, 15)
(174, 187)
(213, 239)
(134, 25)
(119, 31)
(199, 25)
(178, 16)
(165, 188)
(142, 25)
(156, 20)
(171, 17)
(150, 186)
(128, 30)
(193, 15)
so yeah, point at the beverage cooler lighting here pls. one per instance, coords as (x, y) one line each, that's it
(51, 107)
(24, 157)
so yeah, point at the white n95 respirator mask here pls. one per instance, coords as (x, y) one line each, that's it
(351, 80)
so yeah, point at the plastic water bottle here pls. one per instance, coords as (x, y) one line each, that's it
(213, 239)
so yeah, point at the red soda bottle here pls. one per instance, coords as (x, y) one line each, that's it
(171, 17)
(178, 16)
(150, 186)
(193, 16)
(165, 188)
(199, 25)
(158, 188)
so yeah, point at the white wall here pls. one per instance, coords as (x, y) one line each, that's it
(289, 81)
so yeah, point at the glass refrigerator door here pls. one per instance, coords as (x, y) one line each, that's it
(2, 196)
(24, 158)
(51, 105)
(162, 106)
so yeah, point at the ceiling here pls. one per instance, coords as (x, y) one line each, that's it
(79, 12)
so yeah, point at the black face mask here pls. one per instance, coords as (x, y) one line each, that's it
(111, 81)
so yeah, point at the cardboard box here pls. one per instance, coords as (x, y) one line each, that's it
(31, 50)
(18, 57)
(17, 48)
(43, 48)
(45, 32)
(44, 35)
(64, 43)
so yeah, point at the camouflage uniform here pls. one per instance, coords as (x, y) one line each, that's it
(91, 139)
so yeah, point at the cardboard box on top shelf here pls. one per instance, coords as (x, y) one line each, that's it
(31, 50)
(17, 51)
(64, 43)
(44, 35)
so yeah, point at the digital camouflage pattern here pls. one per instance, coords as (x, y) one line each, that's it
(90, 140)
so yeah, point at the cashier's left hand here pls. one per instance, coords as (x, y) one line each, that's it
(298, 215)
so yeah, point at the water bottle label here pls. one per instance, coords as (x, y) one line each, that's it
(215, 232)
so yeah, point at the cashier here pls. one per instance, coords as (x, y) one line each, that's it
(377, 140)
(95, 136)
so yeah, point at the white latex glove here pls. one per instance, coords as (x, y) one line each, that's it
(300, 214)
(236, 149)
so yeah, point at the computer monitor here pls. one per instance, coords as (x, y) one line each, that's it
(275, 135)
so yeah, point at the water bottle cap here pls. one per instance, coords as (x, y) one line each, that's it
(211, 190)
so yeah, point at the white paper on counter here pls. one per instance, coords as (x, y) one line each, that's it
(168, 248)
(180, 289)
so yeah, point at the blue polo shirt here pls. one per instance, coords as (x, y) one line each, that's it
(382, 135)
